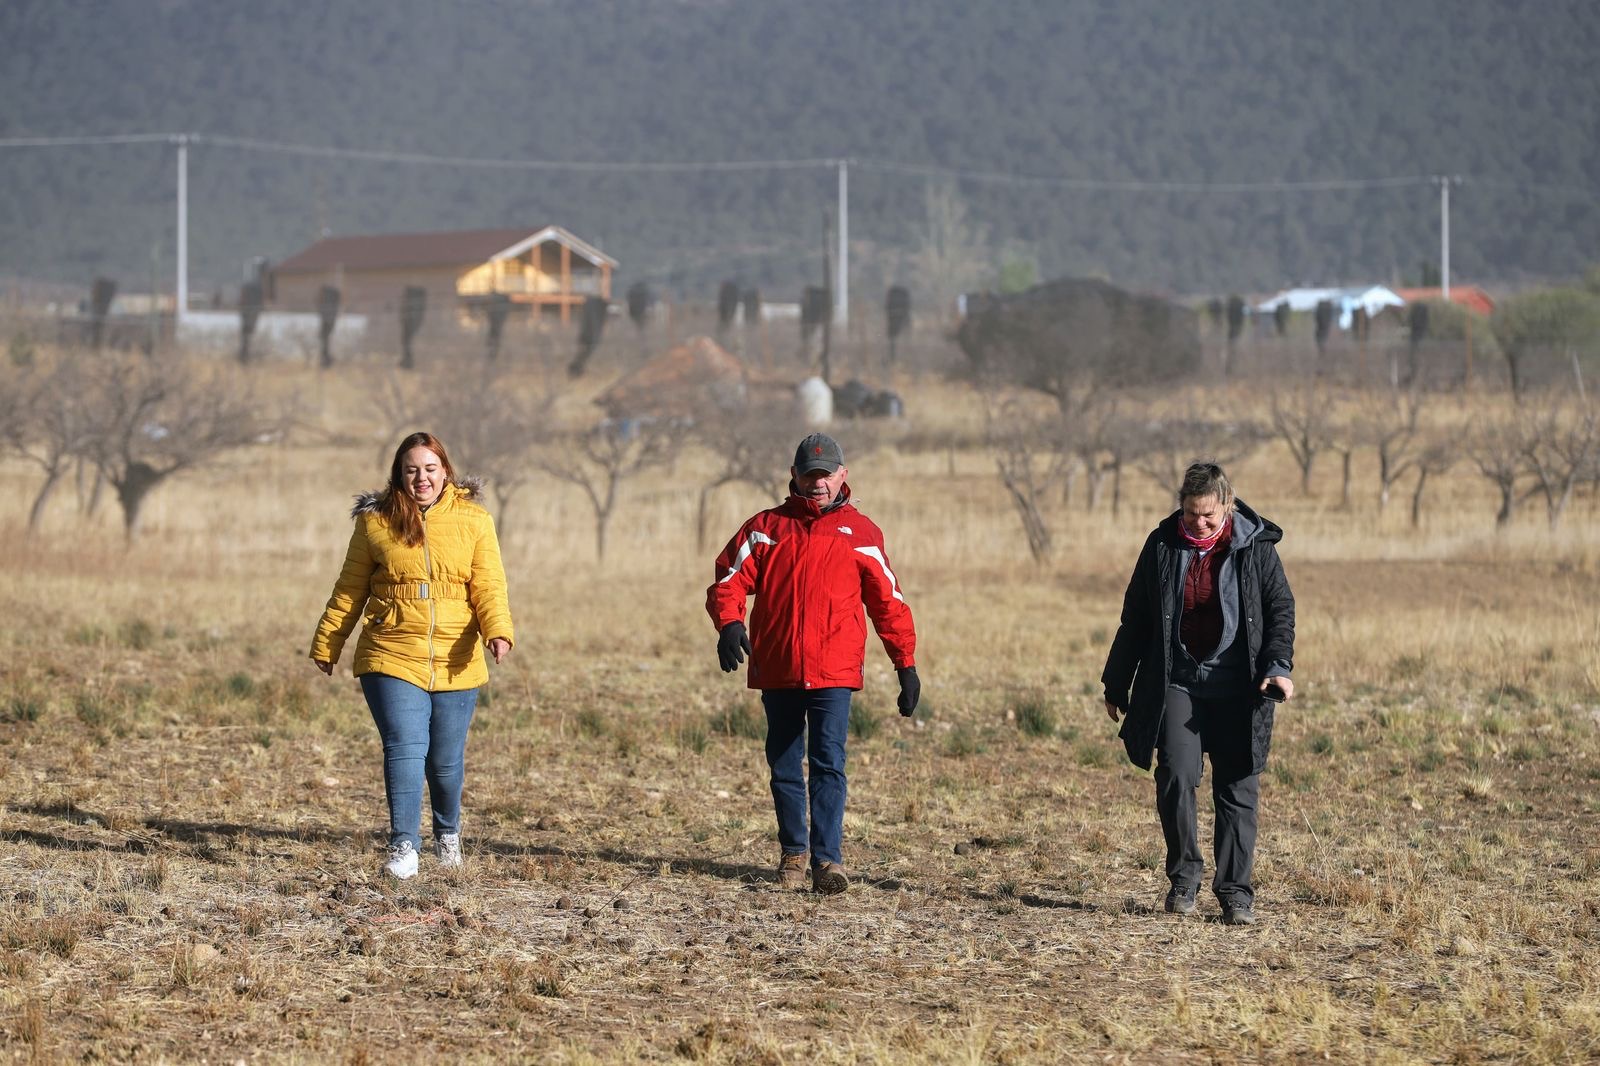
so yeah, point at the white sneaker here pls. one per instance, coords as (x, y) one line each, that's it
(448, 849)
(402, 864)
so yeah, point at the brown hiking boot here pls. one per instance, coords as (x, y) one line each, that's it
(829, 879)
(792, 872)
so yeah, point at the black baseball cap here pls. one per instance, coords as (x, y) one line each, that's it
(818, 452)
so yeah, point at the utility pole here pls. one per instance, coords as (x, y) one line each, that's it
(182, 301)
(841, 299)
(1445, 181)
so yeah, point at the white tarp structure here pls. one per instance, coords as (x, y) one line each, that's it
(1371, 299)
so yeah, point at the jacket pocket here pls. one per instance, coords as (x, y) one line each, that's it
(380, 613)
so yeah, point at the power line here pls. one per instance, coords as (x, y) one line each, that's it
(733, 165)
(380, 156)
(1129, 185)
(928, 170)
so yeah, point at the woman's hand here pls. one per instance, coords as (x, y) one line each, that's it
(1282, 682)
(326, 668)
(1112, 711)
(499, 647)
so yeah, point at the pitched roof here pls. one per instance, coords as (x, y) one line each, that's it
(447, 248)
(1468, 296)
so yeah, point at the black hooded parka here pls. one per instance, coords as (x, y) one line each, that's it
(1139, 666)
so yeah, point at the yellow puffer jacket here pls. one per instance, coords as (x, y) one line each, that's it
(429, 609)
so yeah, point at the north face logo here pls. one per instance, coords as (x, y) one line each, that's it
(846, 530)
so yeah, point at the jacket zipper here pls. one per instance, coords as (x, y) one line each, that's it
(803, 629)
(427, 561)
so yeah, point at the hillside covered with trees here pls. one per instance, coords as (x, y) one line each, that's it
(1505, 94)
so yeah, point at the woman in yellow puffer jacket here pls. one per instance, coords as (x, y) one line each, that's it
(423, 572)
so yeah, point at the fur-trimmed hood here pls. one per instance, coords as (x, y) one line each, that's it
(469, 488)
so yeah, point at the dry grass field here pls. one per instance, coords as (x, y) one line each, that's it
(192, 816)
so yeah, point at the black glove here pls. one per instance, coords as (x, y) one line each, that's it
(732, 646)
(910, 690)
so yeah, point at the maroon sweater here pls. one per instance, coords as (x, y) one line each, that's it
(1201, 627)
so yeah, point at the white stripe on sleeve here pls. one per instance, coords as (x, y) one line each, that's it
(874, 554)
(750, 542)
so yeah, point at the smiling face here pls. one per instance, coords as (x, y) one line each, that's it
(423, 475)
(819, 485)
(1203, 516)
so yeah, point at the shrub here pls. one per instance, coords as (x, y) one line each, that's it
(739, 719)
(692, 737)
(962, 742)
(865, 722)
(1035, 718)
(138, 634)
(23, 709)
(91, 709)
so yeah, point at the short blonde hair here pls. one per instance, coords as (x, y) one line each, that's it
(1205, 478)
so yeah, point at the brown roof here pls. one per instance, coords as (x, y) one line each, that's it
(449, 248)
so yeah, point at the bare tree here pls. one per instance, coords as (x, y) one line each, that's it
(1496, 447)
(1344, 440)
(1300, 418)
(1560, 440)
(743, 443)
(147, 421)
(1435, 455)
(1171, 444)
(952, 254)
(599, 459)
(488, 422)
(49, 426)
(1101, 440)
(1028, 454)
(1389, 425)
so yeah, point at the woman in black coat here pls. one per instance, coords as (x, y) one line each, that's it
(1203, 655)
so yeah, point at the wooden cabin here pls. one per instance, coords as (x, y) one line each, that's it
(544, 271)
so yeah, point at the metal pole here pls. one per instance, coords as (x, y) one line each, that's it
(1444, 237)
(841, 300)
(182, 301)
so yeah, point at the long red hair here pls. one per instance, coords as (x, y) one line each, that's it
(399, 507)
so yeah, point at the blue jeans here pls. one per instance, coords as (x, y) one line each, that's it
(826, 713)
(424, 734)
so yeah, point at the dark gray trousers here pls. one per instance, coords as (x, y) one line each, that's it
(1190, 728)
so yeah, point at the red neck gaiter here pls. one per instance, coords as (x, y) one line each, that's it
(1210, 542)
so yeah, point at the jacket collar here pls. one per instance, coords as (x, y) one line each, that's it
(807, 508)
(1248, 528)
(466, 488)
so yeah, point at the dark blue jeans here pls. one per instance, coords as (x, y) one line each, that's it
(424, 735)
(792, 714)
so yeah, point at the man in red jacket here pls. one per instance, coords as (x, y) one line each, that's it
(811, 563)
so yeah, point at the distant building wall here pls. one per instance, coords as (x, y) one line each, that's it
(370, 292)
(280, 333)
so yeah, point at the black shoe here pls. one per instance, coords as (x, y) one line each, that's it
(1180, 901)
(1238, 914)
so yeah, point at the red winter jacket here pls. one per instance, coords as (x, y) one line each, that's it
(810, 571)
